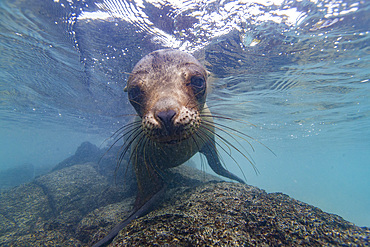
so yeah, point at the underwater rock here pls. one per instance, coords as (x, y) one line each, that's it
(16, 175)
(72, 206)
(49, 209)
(106, 163)
(98, 223)
(86, 152)
(21, 208)
(77, 188)
(78, 205)
(230, 214)
(25, 219)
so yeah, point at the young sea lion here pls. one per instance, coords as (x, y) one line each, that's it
(168, 90)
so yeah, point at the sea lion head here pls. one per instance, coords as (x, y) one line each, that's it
(168, 90)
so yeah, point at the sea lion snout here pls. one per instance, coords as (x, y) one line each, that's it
(165, 112)
(170, 124)
(166, 119)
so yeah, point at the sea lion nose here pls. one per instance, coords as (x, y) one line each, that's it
(166, 118)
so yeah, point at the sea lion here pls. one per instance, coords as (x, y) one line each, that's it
(168, 90)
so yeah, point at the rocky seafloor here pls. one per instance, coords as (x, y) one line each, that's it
(78, 203)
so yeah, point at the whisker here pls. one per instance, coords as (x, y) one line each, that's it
(202, 166)
(122, 129)
(123, 154)
(127, 115)
(130, 140)
(134, 154)
(220, 116)
(139, 142)
(229, 133)
(150, 161)
(127, 126)
(131, 131)
(144, 157)
(215, 143)
(241, 133)
(117, 132)
(193, 107)
(124, 133)
(222, 103)
(127, 73)
(217, 152)
(117, 140)
(211, 131)
(234, 147)
(136, 102)
(210, 144)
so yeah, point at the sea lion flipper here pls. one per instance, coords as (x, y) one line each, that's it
(149, 181)
(145, 209)
(214, 162)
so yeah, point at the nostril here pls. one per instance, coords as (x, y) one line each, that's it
(166, 118)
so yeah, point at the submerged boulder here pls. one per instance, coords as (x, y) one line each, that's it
(230, 214)
(49, 209)
(105, 160)
(86, 152)
(78, 204)
(14, 176)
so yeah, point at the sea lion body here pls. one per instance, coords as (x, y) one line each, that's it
(168, 90)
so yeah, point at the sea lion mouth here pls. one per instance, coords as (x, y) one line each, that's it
(171, 142)
(169, 139)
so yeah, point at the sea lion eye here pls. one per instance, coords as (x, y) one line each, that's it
(134, 94)
(197, 82)
(198, 85)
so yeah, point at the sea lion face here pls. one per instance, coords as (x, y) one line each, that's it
(168, 88)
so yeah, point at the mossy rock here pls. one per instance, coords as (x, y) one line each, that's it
(229, 214)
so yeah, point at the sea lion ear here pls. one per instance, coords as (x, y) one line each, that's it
(125, 89)
(208, 73)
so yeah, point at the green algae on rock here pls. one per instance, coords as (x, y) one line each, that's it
(49, 209)
(229, 214)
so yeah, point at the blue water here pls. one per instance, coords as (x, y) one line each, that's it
(295, 73)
